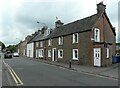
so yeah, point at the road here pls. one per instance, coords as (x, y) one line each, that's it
(35, 73)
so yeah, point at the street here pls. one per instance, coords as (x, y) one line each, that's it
(35, 73)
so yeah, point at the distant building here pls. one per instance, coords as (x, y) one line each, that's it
(41, 34)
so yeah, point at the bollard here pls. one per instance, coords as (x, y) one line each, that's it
(70, 64)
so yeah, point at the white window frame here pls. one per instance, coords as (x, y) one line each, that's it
(37, 44)
(107, 52)
(49, 53)
(97, 39)
(75, 41)
(41, 43)
(37, 53)
(41, 52)
(59, 55)
(49, 42)
(60, 40)
(74, 58)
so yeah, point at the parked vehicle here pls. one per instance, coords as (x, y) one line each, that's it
(8, 54)
(15, 54)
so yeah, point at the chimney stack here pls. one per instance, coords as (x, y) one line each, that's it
(101, 7)
(58, 23)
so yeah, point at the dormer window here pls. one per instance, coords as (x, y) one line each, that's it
(75, 38)
(97, 35)
(60, 42)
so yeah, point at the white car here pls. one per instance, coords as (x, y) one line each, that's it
(15, 54)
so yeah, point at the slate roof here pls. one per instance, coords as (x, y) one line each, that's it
(82, 25)
(32, 39)
(78, 26)
(39, 37)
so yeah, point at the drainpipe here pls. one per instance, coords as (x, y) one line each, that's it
(45, 49)
(70, 65)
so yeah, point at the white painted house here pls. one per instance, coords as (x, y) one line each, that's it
(30, 49)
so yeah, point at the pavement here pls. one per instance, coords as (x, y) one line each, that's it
(109, 72)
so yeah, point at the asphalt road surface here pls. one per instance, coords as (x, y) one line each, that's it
(35, 73)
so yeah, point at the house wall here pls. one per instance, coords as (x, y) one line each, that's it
(30, 50)
(110, 37)
(37, 50)
(83, 47)
(106, 35)
(22, 47)
(48, 48)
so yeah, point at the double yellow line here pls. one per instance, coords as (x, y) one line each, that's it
(14, 75)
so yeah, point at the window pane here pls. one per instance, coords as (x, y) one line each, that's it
(75, 53)
(60, 40)
(97, 35)
(60, 53)
(75, 37)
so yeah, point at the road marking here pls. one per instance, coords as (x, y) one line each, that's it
(14, 75)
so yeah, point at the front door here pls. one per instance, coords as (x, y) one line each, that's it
(53, 54)
(97, 57)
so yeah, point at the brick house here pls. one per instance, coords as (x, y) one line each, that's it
(88, 41)
(21, 47)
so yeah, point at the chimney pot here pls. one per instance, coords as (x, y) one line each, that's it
(101, 7)
(58, 23)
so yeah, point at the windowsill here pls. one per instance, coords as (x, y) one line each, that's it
(60, 44)
(96, 41)
(75, 43)
(76, 59)
(49, 45)
(60, 57)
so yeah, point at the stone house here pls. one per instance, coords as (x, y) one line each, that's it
(36, 46)
(88, 41)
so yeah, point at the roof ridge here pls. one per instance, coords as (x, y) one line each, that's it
(80, 19)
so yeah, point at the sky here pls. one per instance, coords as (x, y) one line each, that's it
(18, 18)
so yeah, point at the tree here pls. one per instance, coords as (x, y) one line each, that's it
(11, 48)
(2, 45)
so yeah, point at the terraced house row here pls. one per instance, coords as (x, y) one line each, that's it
(88, 41)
